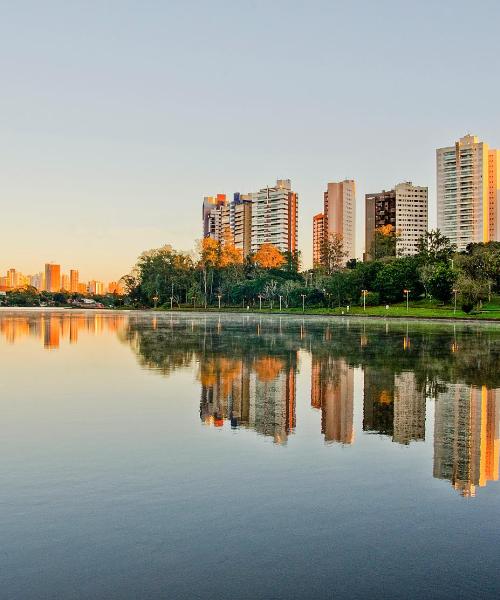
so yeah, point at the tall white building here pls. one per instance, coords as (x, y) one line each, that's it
(411, 216)
(275, 217)
(468, 192)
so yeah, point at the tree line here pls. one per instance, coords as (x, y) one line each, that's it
(218, 273)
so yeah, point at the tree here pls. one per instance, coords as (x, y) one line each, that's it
(396, 276)
(482, 262)
(472, 291)
(332, 253)
(434, 247)
(268, 257)
(441, 282)
(384, 242)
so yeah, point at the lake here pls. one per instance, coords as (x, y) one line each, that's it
(156, 455)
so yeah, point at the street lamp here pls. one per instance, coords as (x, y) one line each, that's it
(364, 292)
(303, 302)
(219, 297)
(455, 292)
(407, 292)
(155, 299)
(280, 301)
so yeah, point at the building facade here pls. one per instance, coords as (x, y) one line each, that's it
(275, 217)
(468, 192)
(405, 209)
(318, 237)
(411, 216)
(52, 277)
(340, 213)
(338, 218)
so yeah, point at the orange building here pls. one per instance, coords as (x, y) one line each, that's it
(52, 277)
(73, 281)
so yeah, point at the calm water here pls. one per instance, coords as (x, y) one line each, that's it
(243, 457)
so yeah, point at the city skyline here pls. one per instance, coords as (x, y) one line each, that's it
(120, 135)
(52, 279)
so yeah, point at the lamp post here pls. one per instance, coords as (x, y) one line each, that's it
(280, 301)
(155, 299)
(219, 297)
(260, 301)
(407, 292)
(303, 302)
(455, 292)
(364, 292)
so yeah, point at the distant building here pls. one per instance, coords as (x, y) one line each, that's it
(468, 192)
(65, 285)
(96, 287)
(73, 281)
(52, 277)
(275, 217)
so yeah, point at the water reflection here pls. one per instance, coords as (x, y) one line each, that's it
(247, 368)
(53, 328)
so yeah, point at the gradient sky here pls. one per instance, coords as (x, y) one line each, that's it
(118, 117)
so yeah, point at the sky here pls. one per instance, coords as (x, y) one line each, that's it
(117, 117)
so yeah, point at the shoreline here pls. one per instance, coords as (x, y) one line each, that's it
(267, 312)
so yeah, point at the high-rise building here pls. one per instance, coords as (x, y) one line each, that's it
(468, 192)
(318, 237)
(229, 222)
(275, 217)
(38, 281)
(411, 216)
(52, 277)
(405, 209)
(13, 279)
(96, 287)
(73, 281)
(215, 213)
(241, 222)
(65, 283)
(340, 213)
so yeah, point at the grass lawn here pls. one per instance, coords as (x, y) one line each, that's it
(419, 309)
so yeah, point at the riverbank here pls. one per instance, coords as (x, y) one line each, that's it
(374, 312)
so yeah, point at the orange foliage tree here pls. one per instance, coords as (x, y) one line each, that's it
(215, 254)
(269, 257)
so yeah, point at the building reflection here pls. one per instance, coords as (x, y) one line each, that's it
(54, 328)
(394, 404)
(332, 391)
(256, 392)
(247, 371)
(466, 437)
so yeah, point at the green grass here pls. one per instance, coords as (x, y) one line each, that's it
(422, 309)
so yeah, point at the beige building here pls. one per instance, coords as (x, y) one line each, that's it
(468, 192)
(318, 237)
(275, 217)
(411, 216)
(340, 213)
(405, 209)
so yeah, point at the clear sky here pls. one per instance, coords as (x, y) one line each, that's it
(118, 117)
